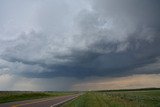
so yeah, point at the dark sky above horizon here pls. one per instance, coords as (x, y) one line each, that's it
(79, 45)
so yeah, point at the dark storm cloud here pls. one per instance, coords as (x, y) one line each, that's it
(88, 63)
(106, 38)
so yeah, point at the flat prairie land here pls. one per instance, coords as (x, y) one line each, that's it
(121, 98)
(11, 96)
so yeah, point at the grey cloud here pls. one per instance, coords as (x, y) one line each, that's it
(112, 38)
(16, 82)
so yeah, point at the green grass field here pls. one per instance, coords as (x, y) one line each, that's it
(122, 98)
(10, 96)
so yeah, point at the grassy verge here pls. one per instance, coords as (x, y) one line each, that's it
(10, 96)
(144, 98)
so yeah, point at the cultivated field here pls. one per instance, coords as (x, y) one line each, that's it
(121, 98)
(10, 96)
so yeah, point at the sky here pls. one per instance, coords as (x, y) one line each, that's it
(79, 44)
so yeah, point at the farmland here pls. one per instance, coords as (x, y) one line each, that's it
(121, 98)
(10, 96)
(104, 98)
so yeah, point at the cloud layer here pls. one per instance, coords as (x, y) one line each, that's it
(129, 82)
(105, 38)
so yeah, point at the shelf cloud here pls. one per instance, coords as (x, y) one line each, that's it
(52, 39)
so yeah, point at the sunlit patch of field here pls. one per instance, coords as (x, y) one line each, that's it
(141, 98)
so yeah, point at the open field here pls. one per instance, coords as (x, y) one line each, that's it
(10, 96)
(121, 98)
(110, 98)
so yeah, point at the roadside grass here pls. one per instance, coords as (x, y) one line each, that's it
(10, 96)
(148, 98)
(86, 100)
